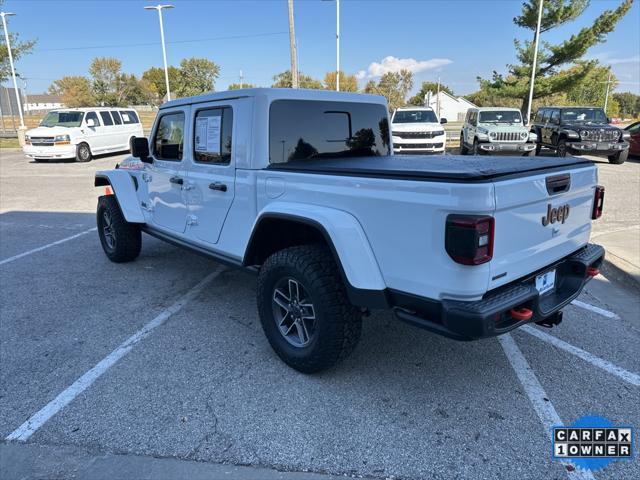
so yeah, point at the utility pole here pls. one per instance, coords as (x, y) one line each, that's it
(535, 60)
(606, 95)
(164, 50)
(24, 95)
(438, 98)
(241, 79)
(337, 45)
(13, 70)
(292, 47)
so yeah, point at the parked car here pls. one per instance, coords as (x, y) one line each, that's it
(418, 130)
(299, 187)
(633, 132)
(579, 131)
(496, 130)
(81, 133)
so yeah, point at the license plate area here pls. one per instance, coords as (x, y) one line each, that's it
(603, 146)
(546, 282)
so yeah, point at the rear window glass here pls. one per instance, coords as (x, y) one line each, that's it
(129, 116)
(305, 129)
(116, 118)
(106, 118)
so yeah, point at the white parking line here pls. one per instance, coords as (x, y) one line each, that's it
(44, 247)
(593, 308)
(629, 377)
(28, 428)
(537, 396)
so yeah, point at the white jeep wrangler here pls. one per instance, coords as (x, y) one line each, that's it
(299, 186)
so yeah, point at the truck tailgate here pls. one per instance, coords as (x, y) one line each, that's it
(525, 239)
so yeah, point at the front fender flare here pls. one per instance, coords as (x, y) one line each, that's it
(124, 189)
(344, 235)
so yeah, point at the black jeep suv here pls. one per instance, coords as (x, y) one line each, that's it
(579, 130)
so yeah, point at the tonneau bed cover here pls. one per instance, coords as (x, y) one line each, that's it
(441, 168)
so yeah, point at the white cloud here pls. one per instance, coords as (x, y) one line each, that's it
(608, 59)
(393, 64)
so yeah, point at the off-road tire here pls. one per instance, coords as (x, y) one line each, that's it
(464, 150)
(619, 158)
(561, 148)
(127, 237)
(83, 153)
(338, 324)
(475, 150)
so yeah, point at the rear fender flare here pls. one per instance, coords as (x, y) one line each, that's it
(124, 189)
(344, 235)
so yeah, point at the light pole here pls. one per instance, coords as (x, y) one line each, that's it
(164, 50)
(535, 61)
(13, 70)
(337, 44)
(292, 47)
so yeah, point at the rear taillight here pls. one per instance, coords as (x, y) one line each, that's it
(469, 238)
(598, 202)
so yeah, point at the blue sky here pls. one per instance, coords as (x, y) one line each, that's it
(456, 39)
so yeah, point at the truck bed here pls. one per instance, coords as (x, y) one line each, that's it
(441, 168)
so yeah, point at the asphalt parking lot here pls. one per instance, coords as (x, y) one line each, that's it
(159, 368)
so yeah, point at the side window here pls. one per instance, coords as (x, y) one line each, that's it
(92, 116)
(134, 116)
(213, 135)
(128, 117)
(555, 117)
(547, 114)
(106, 118)
(169, 137)
(474, 115)
(116, 118)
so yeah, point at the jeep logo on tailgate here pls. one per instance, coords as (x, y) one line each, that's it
(554, 215)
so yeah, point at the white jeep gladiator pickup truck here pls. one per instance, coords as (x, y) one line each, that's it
(300, 187)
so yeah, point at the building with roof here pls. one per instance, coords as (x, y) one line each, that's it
(42, 102)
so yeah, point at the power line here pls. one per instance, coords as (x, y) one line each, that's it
(196, 40)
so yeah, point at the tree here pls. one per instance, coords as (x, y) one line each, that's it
(394, 86)
(18, 50)
(592, 90)
(105, 74)
(551, 58)
(348, 83)
(74, 90)
(629, 104)
(418, 98)
(283, 80)
(196, 76)
(154, 79)
(236, 86)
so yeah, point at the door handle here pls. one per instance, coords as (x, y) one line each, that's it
(218, 186)
(176, 180)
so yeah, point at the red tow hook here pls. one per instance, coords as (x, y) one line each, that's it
(521, 313)
(592, 271)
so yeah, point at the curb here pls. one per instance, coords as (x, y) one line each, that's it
(620, 271)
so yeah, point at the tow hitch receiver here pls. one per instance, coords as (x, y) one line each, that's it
(551, 321)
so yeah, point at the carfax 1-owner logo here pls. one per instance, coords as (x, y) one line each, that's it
(591, 443)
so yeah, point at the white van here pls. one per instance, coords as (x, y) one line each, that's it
(81, 133)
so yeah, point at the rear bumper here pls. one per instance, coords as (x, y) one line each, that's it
(595, 148)
(491, 316)
(497, 147)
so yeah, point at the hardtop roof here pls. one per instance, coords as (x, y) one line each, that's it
(272, 94)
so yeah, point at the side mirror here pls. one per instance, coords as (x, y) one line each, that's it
(443, 121)
(140, 149)
(608, 119)
(91, 122)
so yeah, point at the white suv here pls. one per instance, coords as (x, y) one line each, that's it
(418, 130)
(81, 133)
